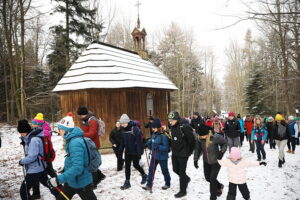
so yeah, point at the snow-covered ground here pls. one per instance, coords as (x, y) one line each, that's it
(267, 183)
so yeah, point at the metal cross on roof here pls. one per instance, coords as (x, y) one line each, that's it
(138, 6)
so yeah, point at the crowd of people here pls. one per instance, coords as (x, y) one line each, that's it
(209, 137)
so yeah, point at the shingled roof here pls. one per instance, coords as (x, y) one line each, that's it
(105, 66)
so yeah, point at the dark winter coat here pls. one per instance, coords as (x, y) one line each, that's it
(159, 145)
(149, 125)
(196, 122)
(281, 136)
(115, 136)
(270, 128)
(131, 140)
(292, 129)
(210, 152)
(232, 128)
(182, 140)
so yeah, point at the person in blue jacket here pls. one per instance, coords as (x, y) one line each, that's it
(34, 165)
(76, 177)
(159, 145)
(132, 143)
(259, 135)
(242, 130)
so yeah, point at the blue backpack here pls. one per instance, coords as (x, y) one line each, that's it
(94, 156)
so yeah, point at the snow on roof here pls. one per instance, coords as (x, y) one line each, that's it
(105, 66)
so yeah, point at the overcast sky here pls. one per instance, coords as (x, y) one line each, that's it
(203, 16)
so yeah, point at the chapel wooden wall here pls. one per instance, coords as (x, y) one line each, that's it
(110, 104)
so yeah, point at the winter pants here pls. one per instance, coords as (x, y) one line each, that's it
(242, 136)
(119, 156)
(50, 171)
(243, 189)
(233, 142)
(30, 180)
(292, 141)
(252, 146)
(281, 145)
(164, 168)
(260, 149)
(211, 172)
(272, 143)
(179, 167)
(85, 193)
(135, 159)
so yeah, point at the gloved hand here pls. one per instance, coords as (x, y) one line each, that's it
(196, 164)
(53, 182)
(21, 163)
(262, 141)
(263, 163)
(220, 155)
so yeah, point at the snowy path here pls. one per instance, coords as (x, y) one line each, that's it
(267, 183)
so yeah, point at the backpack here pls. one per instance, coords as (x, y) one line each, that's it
(94, 157)
(143, 140)
(190, 145)
(49, 153)
(169, 139)
(101, 125)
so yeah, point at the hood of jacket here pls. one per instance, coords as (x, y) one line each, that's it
(76, 132)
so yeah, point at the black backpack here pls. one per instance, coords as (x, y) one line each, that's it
(191, 145)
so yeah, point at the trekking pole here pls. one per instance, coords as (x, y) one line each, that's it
(153, 170)
(62, 193)
(147, 157)
(27, 196)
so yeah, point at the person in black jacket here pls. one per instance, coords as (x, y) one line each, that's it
(213, 147)
(232, 131)
(149, 125)
(270, 129)
(196, 121)
(132, 143)
(182, 143)
(115, 138)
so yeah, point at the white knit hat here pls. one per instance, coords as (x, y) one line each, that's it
(124, 119)
(66, 123)
(291, 118)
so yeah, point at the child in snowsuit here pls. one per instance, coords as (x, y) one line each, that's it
(132, 143)
(259, 135)
(159, 145)
(237, 173)
(38, 121)
(34, 165)
(76, 177)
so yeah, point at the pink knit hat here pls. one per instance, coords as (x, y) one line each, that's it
(235, 153)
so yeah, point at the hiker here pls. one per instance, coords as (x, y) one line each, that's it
(242, 130)
(159, 146)
(217, 126)
(89, 125)
(182, 143)
(76, 178)
(259, 136)
(196, 121)
(34, 165)
(270, 129)
(132, 143)
(115, 138)
(293, 130)
(249, 126)
(212, 146)
(232, 131)
(149, 125)
(38, 121)
(281, 136)
(237, 173)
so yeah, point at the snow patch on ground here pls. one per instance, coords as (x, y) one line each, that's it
(268, 183)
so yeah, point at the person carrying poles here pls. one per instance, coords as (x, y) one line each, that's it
(159, 146)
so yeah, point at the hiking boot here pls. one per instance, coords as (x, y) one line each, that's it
(283, 161)
(147, 188)
(293, 152)
(35, 196)
(289, 151)
(259, 159)
(180, 194)
(279, 163)
(126, 185)
(264, 157)
(165, 187)
(101, 176)
(144, 179)
(220, 190)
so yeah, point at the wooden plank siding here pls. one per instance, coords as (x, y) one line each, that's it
(110, 104)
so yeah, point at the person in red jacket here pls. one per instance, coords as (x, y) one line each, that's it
(89, 125)
(249, 126)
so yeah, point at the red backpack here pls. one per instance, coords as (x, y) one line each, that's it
(49, 153)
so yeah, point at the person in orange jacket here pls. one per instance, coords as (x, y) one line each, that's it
(89, 124)
(249, 126)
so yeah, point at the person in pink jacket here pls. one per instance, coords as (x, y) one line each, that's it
(237, 173)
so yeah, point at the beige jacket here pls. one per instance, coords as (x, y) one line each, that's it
(237, 172)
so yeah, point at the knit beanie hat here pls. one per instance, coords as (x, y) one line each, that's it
(174, 115)
(231, 114)
(291, 118)
(66, 123)
(156, 123)
(235, 153)
(196, 113)
(279, 117)
(38, 119)
(270, 118)
(124, 119)
(238, 116)
(82, 110)
(23, 126)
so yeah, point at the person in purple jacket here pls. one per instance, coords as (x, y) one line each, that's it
(259, 136)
